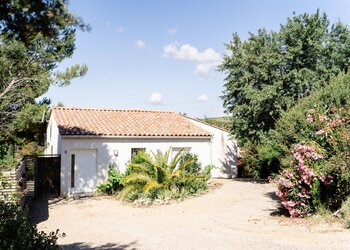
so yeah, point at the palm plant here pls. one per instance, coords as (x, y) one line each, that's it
(147, 175)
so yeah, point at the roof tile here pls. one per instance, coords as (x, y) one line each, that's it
(112, 122)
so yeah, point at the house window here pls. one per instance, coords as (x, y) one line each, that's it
(136, 151)
(72, 167)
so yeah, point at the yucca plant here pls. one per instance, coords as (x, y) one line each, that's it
(151, 175)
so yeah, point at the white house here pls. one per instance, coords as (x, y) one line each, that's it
(89, 140)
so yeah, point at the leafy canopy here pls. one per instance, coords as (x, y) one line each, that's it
(35, 36)
(271, 71)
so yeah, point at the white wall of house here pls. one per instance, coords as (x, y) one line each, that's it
(224, 151)
(53, 138)
(219, 150)
(117, 152)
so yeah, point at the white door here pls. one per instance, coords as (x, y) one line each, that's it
(85, 170)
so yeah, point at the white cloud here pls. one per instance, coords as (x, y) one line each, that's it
(140, 44)
(156, 98)
(202, 98)
(206, 60)
(172, 31)
(119, 29)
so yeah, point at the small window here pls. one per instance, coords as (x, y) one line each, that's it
(72, 174)
(137, 150)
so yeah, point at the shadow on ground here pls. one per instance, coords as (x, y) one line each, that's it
(280, 210)
(39, 210)
(272, 196)
(255, 181)
(113, 246)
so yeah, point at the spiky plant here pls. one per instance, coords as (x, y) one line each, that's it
(150, 176)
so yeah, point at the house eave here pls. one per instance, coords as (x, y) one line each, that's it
(133, 137)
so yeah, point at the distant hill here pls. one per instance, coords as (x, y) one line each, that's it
(224, 122)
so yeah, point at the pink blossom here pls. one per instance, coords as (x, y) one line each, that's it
(309, 118)
(320, 132)
(322, 118)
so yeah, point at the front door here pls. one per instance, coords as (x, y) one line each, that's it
(83, 174)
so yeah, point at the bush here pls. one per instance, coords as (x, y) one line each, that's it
(259, 161)
(157, 177)
(332, 133)
(293, 128)
(113, 183)
(319, 175)
(16, 232)
(299, 185)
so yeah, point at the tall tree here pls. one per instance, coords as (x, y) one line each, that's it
(35, 36)
(270, 71)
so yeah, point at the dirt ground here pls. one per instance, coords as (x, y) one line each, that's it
(237, 215)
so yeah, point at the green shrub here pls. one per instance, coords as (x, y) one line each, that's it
(259, 161)
(311, 183)
(293, 127)
(157, 177)
(16, 232)
(113, 183)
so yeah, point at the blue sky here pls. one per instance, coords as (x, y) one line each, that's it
(162, 55)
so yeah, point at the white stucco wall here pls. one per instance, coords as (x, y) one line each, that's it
(53, 138)
(223, 151)
(219, 150)
(107, 147)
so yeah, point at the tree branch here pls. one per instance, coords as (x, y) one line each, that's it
(8, 88)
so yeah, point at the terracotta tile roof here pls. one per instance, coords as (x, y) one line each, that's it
(110, 122)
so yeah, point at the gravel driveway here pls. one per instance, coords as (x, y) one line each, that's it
(234, 216)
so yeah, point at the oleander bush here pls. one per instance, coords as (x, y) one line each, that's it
(318, 174)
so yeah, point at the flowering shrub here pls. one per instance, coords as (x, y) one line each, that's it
(295, 185)
(318, 175)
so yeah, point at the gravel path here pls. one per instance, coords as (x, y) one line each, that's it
(233, 216)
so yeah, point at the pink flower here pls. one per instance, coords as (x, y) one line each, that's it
(320, 132)
(309, 118)
(322, 118)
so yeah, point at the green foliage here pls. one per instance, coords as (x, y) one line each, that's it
(113, 183)
(16, 232)
(31, 148)
(7, 159)
(293, 127)
(157, 177)
(259, 161)
(311, 183)
(35, 36)
(271, 71)
(23, 20)
(220, 122)
(8, 163)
